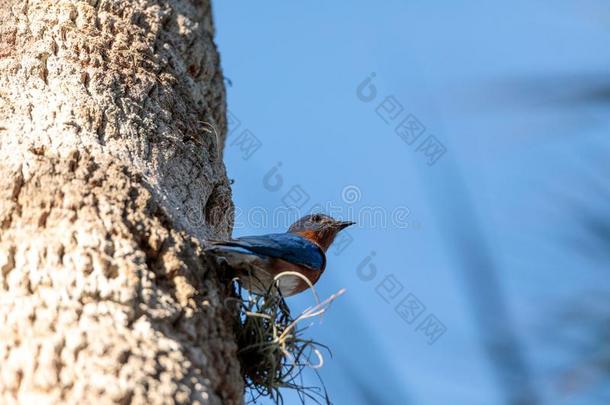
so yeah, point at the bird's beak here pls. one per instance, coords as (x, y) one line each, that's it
(343, 224)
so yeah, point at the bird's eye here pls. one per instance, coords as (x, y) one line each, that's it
(316, 218)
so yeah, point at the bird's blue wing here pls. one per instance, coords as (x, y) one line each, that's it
(285, 246)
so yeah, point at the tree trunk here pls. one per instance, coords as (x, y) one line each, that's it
(110, 177)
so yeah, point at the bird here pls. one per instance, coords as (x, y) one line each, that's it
(257, 260)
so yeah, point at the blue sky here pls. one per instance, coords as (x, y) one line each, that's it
(506, 216)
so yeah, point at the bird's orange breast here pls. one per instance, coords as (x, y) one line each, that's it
(321, 238)
(294, 284)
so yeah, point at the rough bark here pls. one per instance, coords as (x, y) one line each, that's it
(109, 179)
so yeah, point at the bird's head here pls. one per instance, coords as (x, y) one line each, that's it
(319, 228)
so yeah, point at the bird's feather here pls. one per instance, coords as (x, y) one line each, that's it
(286, 246)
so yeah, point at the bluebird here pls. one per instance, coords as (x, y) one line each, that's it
(256, 260)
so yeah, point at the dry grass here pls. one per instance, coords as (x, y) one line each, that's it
(273, 350)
